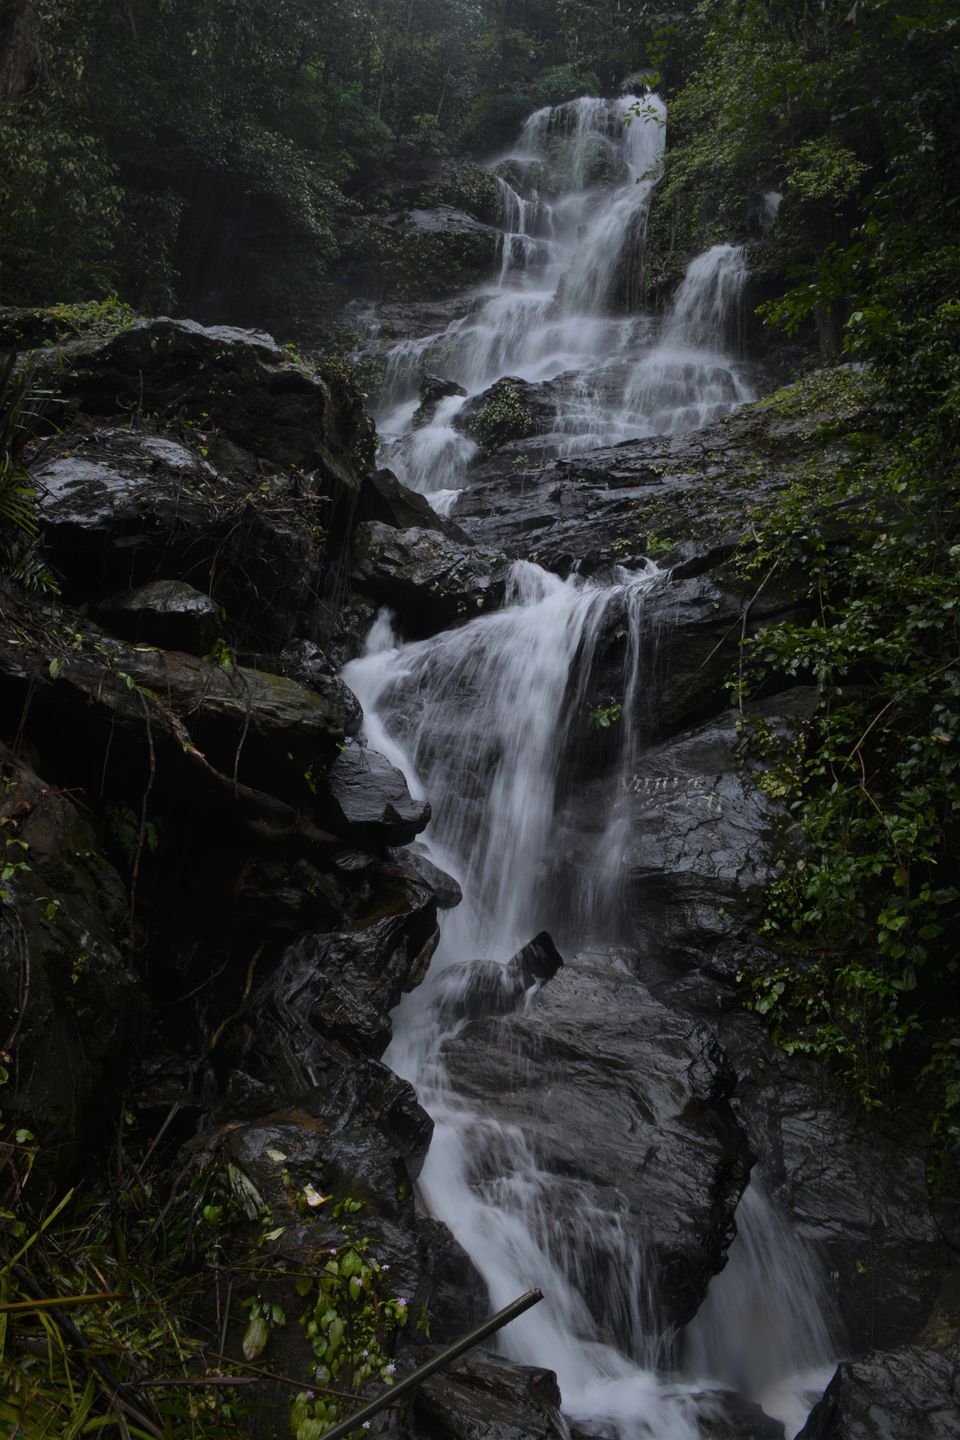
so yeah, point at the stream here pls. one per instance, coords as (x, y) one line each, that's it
(485, 721)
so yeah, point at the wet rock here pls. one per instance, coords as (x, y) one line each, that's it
(458, 1294)
(435, 387)
(310, 666)
(910, 1394)
(428, 579)
(682, 496)
(475, 989)
(414, 858)
(269, 731)
(396, 320)
(122, 508)
(698, 837)
(240, 383)
(384, 499)
(696, 847)
(482, 1397)
(167, 613)
(625, 1106)
(725, 1416)
(338, 988)
(854, 1191)
(539, 960)
(372, 803)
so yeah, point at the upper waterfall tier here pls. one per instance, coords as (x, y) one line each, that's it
(574, 196)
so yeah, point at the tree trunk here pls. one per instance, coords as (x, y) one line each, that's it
(18, 54)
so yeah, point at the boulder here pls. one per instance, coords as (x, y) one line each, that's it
(124, 508)
(383, 498)
(414, 858)
(511, 409)
(435, 387)
(429, 580)
(238, 383)
(483, 1397)
(625, 1106)
(910, 1394)
(371, 801)
(166, 613)
(474, 989)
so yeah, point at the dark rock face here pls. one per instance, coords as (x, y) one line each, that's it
(484, 1398)
(372, 799)
(167, 613)
(910, 1394)
(625, 1104)
(858, 1194)
(72, 1010)
(126, 508)
(239, 381)
(429, 580)
(683, 498)
(338, 987)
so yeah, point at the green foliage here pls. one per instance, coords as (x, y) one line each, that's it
(115, 1302)
(862, 913)
(503, 418)
(21, 415)
(605, 716)
(349, 1321)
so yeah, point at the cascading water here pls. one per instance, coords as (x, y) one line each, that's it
(745, 1336)
(483, 720)
(574, 200)
(480, 718)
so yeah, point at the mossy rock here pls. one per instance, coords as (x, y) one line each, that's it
(30, 328)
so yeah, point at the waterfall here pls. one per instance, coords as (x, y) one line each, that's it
(484, 720)
(744, 1334)
(686, 380)
(482, 715)
(481, 719)
(574, 197)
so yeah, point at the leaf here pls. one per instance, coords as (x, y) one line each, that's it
(56, 665)
(255, 1338)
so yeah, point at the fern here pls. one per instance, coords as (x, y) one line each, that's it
(23, 563)
(22, 413)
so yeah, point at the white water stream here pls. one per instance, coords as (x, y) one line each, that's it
(574, 199)
(481, 720)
